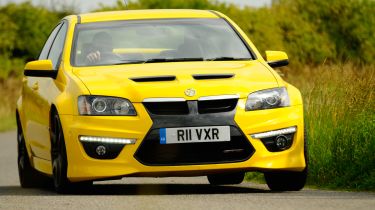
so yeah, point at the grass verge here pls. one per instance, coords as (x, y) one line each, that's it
(340, 117)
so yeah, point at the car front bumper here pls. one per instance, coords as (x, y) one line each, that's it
(82, 167)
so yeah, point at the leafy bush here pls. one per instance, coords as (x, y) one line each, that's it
(310, 31)
(10, 67)
(8, 34)
(33, 26)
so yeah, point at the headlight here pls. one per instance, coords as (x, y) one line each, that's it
(105, 106)
(268, 99)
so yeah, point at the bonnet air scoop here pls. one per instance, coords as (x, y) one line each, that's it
(154, 78)
(212, 76)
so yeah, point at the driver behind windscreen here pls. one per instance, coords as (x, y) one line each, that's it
(101, 49)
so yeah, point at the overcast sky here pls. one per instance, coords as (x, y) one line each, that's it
(87, 5)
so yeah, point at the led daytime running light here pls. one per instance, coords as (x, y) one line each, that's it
(274, 133)
(106, 140)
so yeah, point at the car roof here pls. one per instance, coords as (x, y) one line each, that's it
(145, 14)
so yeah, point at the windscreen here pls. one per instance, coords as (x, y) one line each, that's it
(165, 40)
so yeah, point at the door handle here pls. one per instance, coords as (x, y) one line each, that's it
(35, 86)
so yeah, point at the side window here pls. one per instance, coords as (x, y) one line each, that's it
(44, 54)
(57, 46)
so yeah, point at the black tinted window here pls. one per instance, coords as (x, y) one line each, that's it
(57, 46)
(47, 46)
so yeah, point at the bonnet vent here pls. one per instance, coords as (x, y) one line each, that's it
(153, 78)
(212, 76)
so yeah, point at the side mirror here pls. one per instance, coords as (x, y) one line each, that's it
(277, 58)
(40, 68)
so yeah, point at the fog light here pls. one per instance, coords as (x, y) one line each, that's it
(101, 150)
(281, 142)
(277, 140)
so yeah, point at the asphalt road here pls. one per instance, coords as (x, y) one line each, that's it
(164, 193)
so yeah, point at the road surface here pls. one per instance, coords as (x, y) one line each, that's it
(165, 193)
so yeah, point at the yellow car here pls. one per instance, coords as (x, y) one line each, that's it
(157, 93)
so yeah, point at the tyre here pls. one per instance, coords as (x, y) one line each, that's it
(59, 161)
(226, 179)
(288, 180)
(28, 176)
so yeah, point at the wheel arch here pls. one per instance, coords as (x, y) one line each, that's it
(53, 110)
(19, 113)
(20, 126)
(18, 120)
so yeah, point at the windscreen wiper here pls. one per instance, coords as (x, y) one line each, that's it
(161, 60)
(227, 59)
(129, 62)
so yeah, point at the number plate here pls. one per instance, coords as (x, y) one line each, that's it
(194, 134)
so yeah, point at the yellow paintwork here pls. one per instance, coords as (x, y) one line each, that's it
(145, 14)
(272, 56)
(41, 94)
(39, 65)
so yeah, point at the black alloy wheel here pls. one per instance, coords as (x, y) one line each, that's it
(28, 176)
(59, 161)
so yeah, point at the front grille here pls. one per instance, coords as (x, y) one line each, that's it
(182, 107)
(151, 152)
(167, 108)
(215, 106)
(217, 112)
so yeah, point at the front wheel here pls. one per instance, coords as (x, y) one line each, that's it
(288, 180)
(59, 161)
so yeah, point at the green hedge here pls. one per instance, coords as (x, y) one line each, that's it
(310, 31)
